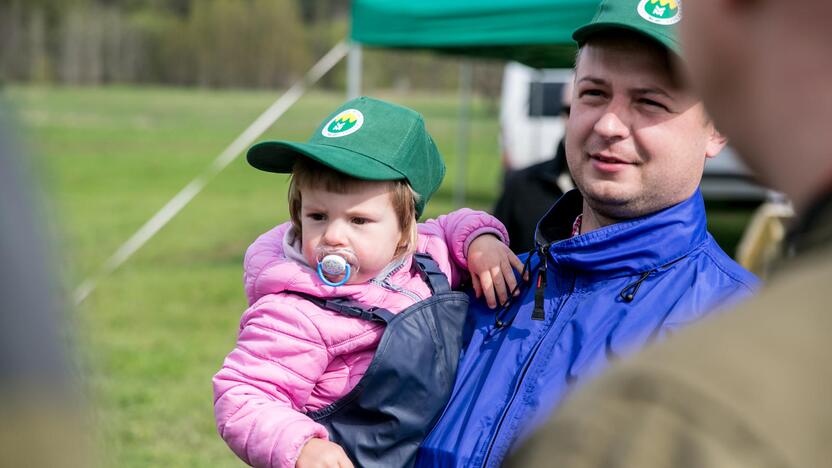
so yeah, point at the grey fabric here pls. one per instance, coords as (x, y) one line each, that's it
(43, 418)
(32, 350)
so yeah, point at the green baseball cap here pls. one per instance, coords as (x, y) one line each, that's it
(655, 19)
(367, 139)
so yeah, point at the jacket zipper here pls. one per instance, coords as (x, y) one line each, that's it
(392, 287)
(540, 289)
(526, 366)
(386, 284)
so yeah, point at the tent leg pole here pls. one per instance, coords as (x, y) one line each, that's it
(354, 71)
(237, 147)
(466, 79)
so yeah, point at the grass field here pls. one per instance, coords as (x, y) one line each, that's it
(155, 331)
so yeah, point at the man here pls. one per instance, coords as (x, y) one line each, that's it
(751, 388)
(640, 263)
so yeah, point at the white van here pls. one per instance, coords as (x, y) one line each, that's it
(531, 117)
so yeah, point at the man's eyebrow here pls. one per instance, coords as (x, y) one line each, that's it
(652, 90)
(637, 91)
(593, 80)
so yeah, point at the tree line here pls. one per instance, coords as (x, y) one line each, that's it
(208, 43)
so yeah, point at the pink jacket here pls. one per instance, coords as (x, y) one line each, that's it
(292, 357)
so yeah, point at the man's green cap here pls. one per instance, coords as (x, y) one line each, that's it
(367, 139)
(655, 19)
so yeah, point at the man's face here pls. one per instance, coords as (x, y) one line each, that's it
(635, 142)
(762, 69)
(718, 68)
(709, 56)
(750, 80)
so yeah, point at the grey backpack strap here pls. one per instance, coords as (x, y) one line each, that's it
(431, 274)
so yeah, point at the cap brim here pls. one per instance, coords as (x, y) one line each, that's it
(582, 34)
(280, 156)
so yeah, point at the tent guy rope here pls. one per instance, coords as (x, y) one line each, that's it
(181, 199)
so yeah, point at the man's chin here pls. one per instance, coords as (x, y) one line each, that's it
(608, 194)
(613, 202)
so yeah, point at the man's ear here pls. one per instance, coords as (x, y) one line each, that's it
(716, 141)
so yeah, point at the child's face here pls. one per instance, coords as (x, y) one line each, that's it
(362, 220)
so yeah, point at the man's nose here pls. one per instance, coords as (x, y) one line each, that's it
(613, 124)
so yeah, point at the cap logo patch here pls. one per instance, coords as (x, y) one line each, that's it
(665, 12)
(343, 124)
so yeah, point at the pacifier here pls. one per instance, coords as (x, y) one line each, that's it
(334, 265)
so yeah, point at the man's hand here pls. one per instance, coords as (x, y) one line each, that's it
(490, 263)
(319, 453)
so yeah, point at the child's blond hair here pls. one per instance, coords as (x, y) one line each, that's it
(307, 173)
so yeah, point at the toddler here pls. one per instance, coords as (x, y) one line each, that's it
(348, 351)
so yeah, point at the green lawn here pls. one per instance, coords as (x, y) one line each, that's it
(155, 331)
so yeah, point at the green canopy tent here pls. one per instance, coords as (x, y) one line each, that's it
(537, 33)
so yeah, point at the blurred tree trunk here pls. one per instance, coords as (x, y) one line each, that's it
(11, 32)
(81, 47)
(39, 63)
(256, 43)
(112, 45)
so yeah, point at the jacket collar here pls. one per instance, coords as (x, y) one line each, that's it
(624, 248)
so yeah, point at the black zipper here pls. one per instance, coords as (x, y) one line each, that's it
(629, 292)
(540, 288)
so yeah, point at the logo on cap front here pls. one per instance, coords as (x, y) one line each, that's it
(665, 12)
(343, 124)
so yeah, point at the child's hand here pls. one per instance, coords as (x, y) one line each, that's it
(490, 263)
(320, 453)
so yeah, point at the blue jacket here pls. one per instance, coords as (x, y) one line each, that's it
(604, 294)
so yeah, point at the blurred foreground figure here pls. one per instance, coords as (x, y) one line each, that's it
(39, 401)
(750, 388)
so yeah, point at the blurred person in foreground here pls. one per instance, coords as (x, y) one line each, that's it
(40, 404)
(624, 260)
(751, 388)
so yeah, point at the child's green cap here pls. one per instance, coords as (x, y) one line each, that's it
(367, 139)
(655, 19)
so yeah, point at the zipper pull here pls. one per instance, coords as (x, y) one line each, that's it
(540, 287)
